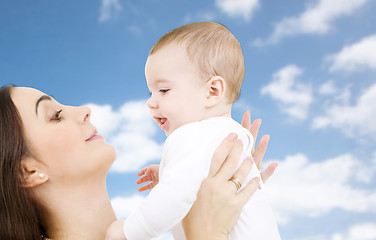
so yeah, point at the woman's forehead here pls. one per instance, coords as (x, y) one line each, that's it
(25, 93)
(25, 99)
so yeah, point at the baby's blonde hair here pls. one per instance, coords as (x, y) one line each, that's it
(213, 48)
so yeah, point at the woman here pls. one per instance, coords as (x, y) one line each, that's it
(53, 174)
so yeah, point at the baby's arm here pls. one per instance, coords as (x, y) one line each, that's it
(171, 199)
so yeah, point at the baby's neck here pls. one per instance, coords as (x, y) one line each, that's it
(219, 111)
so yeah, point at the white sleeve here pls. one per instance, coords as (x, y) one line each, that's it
(188, 155)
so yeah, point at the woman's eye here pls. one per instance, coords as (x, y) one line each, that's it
(164, 90)
(57, 116)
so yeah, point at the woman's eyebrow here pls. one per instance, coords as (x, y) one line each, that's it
(42, 98)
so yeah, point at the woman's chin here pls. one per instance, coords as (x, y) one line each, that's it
(111, 155)
(104, 159)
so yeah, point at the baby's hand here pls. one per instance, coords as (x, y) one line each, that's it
(115, 231)
(149, 174)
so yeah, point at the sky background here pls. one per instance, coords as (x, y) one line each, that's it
(310, 75)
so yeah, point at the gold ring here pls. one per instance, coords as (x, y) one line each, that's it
(236, 182)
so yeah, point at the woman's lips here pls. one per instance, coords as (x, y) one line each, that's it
(94, 136)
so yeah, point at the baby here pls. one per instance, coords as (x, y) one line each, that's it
(194, 74)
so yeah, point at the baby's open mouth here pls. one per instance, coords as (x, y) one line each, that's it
(162, 122)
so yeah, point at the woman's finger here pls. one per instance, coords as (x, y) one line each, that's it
(243, 171)
(229, 166)
(221, 153)
(247, 192)
(268, 172)
(246, 120)
(254, 129)
(258, 155)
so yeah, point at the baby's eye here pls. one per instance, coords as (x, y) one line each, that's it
(164, 90)
(57, 116)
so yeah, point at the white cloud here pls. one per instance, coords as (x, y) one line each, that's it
(238, 8)
(328, 88)
(109, 9)
(293, 96)
(354, 120)
(123, 206)
(134, 151)
(344, 96)
(362, 231)
(304, 188)
(316, 19)
(131, 131)
(358, 56)
(334, 93)
(365, 231)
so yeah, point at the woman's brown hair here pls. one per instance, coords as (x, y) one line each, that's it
(21, 216)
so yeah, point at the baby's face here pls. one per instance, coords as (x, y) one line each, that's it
(177, 95)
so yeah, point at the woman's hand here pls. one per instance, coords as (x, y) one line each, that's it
(148, 174)
(259, 153)
(218, 204)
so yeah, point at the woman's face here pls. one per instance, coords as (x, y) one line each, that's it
(62, 137)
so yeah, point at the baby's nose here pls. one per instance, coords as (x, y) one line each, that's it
(152, 103)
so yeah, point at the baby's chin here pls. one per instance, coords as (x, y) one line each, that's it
(167, 132)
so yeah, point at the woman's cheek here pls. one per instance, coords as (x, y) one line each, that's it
(61, 145)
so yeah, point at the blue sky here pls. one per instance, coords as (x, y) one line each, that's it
(310, 75)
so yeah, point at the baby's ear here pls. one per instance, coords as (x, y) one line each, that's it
(33, 172)
(216, 90)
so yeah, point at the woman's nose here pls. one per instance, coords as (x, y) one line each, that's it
(84, 114)
(152, 103)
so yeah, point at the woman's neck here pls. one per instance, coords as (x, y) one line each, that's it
(79, 212)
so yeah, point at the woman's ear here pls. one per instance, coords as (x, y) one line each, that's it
(216, 90)
(33, 172)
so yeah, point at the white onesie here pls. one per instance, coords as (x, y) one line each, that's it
(185, 163)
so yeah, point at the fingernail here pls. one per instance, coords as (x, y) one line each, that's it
(232, 137)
